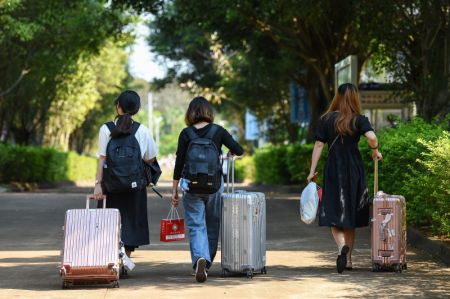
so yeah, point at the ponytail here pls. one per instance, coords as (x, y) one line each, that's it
(129, 103)
(123, 125)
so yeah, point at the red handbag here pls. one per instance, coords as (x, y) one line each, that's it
(319, 189)
(319, 193)
(172, 228)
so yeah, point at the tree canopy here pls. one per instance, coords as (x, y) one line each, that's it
(244, 54)
(50, 77)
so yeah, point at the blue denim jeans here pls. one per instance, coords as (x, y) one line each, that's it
(203, 214)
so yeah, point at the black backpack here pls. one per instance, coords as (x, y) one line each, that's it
(203, 167)
(124, 170)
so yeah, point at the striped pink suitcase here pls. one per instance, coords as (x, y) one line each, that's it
(388, 230)
(91, 253)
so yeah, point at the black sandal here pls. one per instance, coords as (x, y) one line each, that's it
(341, 261)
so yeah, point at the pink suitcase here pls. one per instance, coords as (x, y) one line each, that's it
(91, 246)
(388, 230)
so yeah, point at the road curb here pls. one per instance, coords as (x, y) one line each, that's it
(436, 248)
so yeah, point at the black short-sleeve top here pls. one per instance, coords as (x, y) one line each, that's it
(326, 131)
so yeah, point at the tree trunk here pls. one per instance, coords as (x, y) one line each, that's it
(316, 103)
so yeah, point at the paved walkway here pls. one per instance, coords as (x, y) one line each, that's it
(300, 258)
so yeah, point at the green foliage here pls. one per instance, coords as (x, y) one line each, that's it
(90, 102)
(170, 104)
(400, 149)
(417, 56)
(271, 165)
(32, 164)
(244, 169)
(168, 144)
(415, 164)
(428, 186)
(80, 167)
(299, 162)
(287, 164)
(245, 55)
(49, 71)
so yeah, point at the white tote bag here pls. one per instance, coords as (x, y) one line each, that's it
(309, 203)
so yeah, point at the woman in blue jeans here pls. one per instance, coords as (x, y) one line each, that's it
(202, 210)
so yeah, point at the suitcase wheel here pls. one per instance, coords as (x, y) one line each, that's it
(115, 284)
(65, 285)
(405, 267)
(398, 268)
(224, 273)
(249, 274)
(376, 267)
(264, 270)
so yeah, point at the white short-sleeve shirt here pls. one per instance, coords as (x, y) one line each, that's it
(143, 136)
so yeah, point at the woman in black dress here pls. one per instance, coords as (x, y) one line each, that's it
(345, 197)
(132, 204)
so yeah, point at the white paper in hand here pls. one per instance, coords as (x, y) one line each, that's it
(309, 203)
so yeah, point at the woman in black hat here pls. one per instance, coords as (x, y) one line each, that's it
(132, 204)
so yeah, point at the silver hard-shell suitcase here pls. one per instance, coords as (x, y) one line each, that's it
(243, 230)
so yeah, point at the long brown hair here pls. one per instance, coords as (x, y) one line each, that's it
(199, 110)
(347, 103)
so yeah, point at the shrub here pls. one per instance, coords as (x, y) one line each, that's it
(299, 162)
(415, 165)
(427, 187)
(244, 169)
(33, 164)
(400, 149)
(271, 165)
(80, 167)
(285, 164)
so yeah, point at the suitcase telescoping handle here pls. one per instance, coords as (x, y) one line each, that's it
(375, 178)
(230, 164)
(91, 197)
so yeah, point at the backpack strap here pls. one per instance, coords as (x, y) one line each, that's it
(191, 133)
(134, 127)
(111, 125)
(212, 131)
(210, 135)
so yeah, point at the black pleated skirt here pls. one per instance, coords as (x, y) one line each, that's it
(133, 212)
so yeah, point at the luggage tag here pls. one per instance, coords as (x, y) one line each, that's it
(126, 260)
(184, 184)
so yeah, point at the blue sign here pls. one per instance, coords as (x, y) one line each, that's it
(300, 112)
(251, 126)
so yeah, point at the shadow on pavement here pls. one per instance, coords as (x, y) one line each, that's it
(423, 277)
(297, 254)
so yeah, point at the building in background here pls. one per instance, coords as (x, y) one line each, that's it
(379, 100)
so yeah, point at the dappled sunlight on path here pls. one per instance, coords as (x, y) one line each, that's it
(166, 274)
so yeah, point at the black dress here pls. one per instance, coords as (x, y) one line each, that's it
(345, 196)
(133, 214)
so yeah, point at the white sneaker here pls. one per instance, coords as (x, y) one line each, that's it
(200, 270)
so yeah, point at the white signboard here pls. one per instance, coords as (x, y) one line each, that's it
(346, 71)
